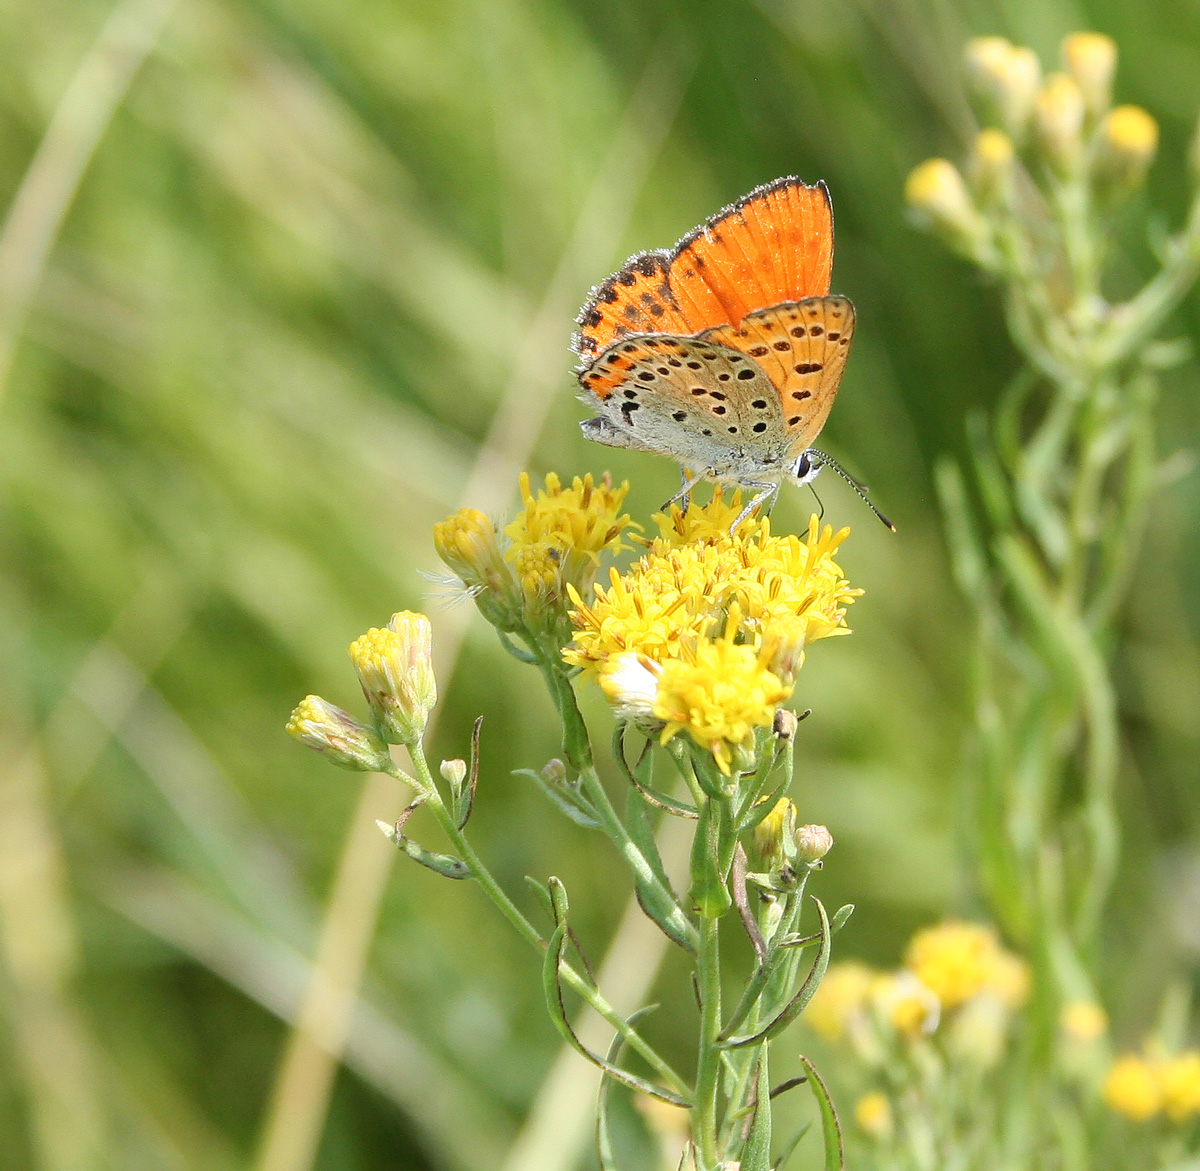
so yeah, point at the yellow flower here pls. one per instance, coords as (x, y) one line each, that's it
(1132, 1088)
(1180, 1081)
(395, 668)
(873, 1113)
(709, 522)
(1058, 117)
(1125, 146)
(956, 961)
(1005, 79)
(1082, 1021)
(840, 998)
(790, 592)
(581, 521)
(939, 200)
(718, 694)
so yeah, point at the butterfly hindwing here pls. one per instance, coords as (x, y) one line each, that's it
(698, 401)
(802, 349)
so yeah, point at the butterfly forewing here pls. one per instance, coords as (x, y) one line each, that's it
(775, 245)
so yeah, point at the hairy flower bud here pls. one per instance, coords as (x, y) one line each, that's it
(813, 842)
(337, 735)
(395, 668)
(1058, 118)
(939, 201)
(469, 545)
(1004, 79)
(991, 165)
(630, 681)
(1125, 145)
(1091, 59)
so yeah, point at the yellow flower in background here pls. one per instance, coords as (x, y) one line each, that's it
(840, 997)
(1132, 1088)
(1083, 1021)
(956, 961)
(1180, 1082)
(905, 1004)
(718, 694)
(873, 1113)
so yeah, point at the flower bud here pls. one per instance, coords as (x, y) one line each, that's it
(469, 544)
(454, 773)
(813, 842)
(991, 165)
(1005, 80)
(1125, 146)
(630, 681)
(395, 668)
(939, 201)
(774, 837)
(337, 736)
(1058, 117)
(1091, 59)
(873, 1113)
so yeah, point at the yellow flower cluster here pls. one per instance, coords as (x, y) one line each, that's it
(948, 969)
(957, 961)
(520, 584)
(1143, 1086)
(769, 596)
(583, 520)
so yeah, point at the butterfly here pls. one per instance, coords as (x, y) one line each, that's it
(724, 353)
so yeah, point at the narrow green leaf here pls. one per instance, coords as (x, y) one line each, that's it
(555, 1003)
(446, 865)
(831, 1128)
(757, 1154)
(604, 1151)
(565, 800)
(463, 810)
(799, 1002)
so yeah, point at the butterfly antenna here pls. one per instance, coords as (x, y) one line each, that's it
(820, 502)
(824, 461)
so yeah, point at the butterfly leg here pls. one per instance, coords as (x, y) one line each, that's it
(768, 493)
(684, 493)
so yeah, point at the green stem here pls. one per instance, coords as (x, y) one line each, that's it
(578, 750)
(526, 930)
(708, 1066)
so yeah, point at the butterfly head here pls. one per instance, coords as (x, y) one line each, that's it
(805, 468)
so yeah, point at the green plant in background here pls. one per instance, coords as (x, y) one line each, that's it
(1044, 522)
(696, 647)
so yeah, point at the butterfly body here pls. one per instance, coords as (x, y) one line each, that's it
(726, 352)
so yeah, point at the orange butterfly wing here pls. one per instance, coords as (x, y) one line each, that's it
(774, 245)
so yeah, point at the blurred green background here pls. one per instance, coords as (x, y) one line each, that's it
(312, 291)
